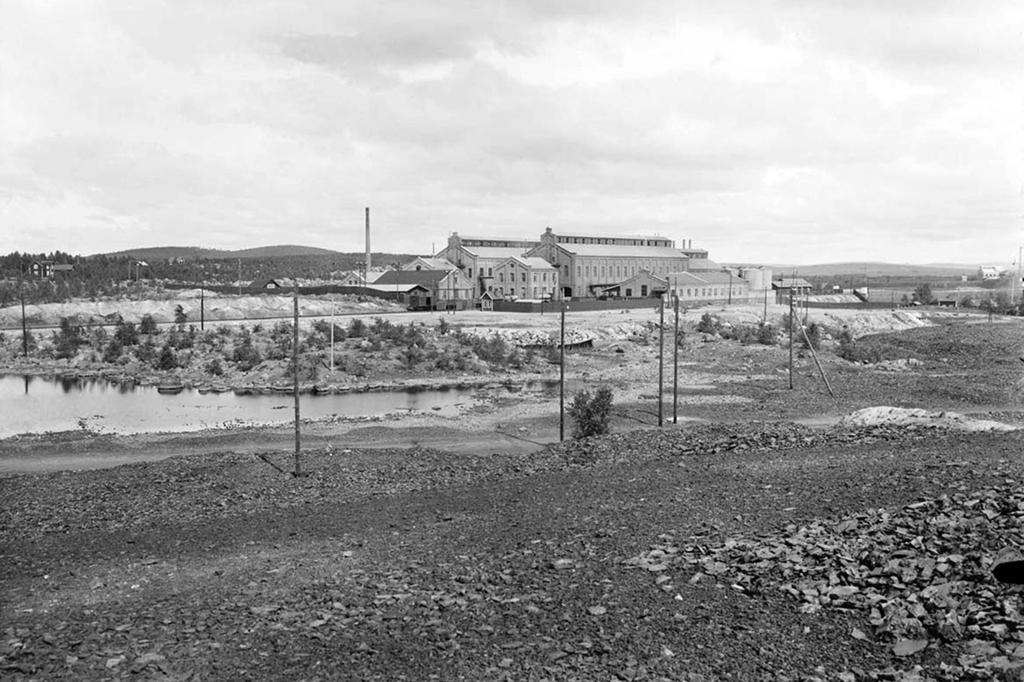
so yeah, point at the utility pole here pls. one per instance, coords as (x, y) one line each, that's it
(730, 287)
(240, 277)
(661, 362)
(561, 379)
(202, 306)
(675, 365)
(791, 321)
(295, 374)
(24, 324)
(332, 333)
(764, 316)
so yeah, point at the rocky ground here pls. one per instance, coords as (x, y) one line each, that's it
(739, 545)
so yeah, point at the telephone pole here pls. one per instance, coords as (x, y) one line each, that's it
(295, 374)
(675, 366)
(561, 378)
(661, 362)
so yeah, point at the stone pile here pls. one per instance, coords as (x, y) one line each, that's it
(921, 574)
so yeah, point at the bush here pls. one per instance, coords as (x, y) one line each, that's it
(709, 324)
(356, 328)
(813, 336)
(113, 351)
(245, 355)
(167, 360)
(148, 325)
(179, 315)
(850, 349)
(766, 335)
(215, 368)
(591, 413)
(126, 334)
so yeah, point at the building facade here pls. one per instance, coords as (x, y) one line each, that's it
(520, 277)
(594, 264)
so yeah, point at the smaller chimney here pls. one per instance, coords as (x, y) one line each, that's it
(367, 241)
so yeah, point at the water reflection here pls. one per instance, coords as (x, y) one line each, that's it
(39, 404)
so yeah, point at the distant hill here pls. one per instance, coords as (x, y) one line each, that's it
(877, 270)
(195, 252)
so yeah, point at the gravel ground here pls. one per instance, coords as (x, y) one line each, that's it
(747, 548)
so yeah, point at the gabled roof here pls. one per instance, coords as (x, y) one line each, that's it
(533, 262)
(707, 277)
(702, 265)
(430, 263)
(396, 288)
(495, 252)
(791, 283)
(591, 235)
(621, 250)
(425, 277)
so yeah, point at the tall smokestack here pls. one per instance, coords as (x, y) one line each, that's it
(367, 241)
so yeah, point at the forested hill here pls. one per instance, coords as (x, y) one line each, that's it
(196, 252)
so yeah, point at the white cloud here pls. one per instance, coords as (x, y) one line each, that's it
(791, 132)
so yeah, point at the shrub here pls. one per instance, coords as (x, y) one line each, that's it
(709, 324)
(148, 325)
(443, 327)
(813, 336)
(167, 359)
(245, 355)
(126, 334)
(591, 413)
(850, 349)
(113, 351)
(146, 352)
(179, 315)
(67, 340)
(356, 328)
(766, 335)
(215, 367)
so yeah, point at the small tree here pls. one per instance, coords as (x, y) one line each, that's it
(356, 328)
(813, 336)
(766, 335)
(113, 351)
(147, 325)
(709, 324)
(126, 334)
(591, 413)
(179, 315)
(923, 294)
(167, 360)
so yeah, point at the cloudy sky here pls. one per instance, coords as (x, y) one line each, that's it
(783, 131)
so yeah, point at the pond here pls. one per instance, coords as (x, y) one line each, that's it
(42, 404)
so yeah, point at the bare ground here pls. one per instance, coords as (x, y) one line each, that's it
(464, 549)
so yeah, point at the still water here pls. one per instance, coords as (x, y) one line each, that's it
(40, 404)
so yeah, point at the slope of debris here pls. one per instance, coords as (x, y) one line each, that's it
(920, 574)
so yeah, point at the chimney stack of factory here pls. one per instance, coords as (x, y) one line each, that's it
(367, 243)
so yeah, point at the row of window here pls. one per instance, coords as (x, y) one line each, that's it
(620, 271)
(538, 292)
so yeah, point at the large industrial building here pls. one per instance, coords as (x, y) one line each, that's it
(581, 266)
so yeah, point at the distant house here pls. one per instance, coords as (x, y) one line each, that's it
(41, 268)
(525, 278)
(641, 285)
(356, 278)
(265, 283)
(713, 286)
(790, 286)
(425, 263)
(414, 296)
(991, 271)
(448, 289)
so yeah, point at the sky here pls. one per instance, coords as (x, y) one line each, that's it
(783, 131)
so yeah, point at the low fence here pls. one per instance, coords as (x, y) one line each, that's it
(577, 305)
